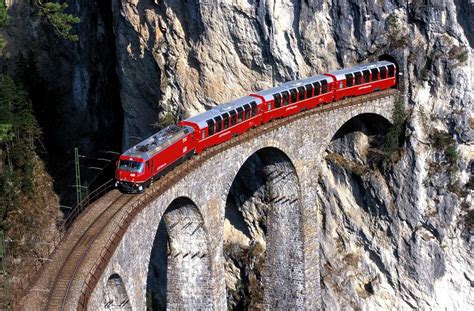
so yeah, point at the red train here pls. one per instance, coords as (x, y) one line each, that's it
(155, 156)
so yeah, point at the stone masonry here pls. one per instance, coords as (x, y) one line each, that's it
(193, 211)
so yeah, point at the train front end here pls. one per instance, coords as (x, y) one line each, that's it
(130, 176)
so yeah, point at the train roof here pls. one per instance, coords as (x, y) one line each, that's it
(157, 142)
(218, 110)
(268, 94)
(341, 74)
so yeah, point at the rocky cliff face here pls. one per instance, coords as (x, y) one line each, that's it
(73, 86)
(396, 234)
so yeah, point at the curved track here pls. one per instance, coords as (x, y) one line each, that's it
(62, 281)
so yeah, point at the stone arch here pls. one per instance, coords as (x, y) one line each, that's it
(263, 245)
(115, 296)
(368, 123)
(179, 272)
(358, 137)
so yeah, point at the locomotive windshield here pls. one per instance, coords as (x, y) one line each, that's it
(131, 166)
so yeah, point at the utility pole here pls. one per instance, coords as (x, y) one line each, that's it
(78, 176)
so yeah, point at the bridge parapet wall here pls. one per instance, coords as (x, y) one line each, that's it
(304, 142)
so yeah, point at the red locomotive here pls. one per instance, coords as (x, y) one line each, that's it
(155, 156)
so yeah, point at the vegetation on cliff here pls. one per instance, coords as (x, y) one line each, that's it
(28, 205)
(3, 22)
(62, 22)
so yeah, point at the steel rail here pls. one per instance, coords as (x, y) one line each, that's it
(185, 168)
(75, 257)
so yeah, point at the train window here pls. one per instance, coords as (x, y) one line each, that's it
(278, 104)
(358, 78)
(233, 117)
(226, 122)
(366, 74)
(240, 115)
(301, 93)
(309, 90)
(210, 126)
(383, 72)
(340, 85)
(277, 98)
(286, 98)
(247, 111)
(324, 87)
(293, 95)
(391, 70)
(218, 124)
(254, 108)
(349, 80)
(269, 106)
(375, 74)
(316, 88)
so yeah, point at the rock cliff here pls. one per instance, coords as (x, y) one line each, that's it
(395, 234)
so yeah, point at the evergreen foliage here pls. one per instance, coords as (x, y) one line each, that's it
(18, 129)
(3, 14)
(396, 132)
(62, 22)
(3, 22)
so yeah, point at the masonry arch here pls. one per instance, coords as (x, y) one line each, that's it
(115, 296)
(359, 140)
(179, 272)
(367, 123)
(263, 245)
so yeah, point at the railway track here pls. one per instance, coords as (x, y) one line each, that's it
(63, 280)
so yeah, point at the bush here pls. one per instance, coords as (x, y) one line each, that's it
(396, 133)
(463, 56)
(3, 21)
(3, 14)
(441, 140)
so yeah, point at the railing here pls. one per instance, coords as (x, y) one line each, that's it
(171, 178)
(91, 197)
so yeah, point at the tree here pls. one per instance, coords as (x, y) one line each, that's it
(18, 129)
(61, 21)
(397, 130)
(3, 21)
(3, 14)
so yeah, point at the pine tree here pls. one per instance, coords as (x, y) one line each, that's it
(3, 21)
(61, 21)
(18, 130)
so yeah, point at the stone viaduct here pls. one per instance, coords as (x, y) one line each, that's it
(176, 244)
